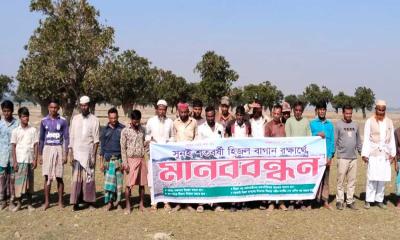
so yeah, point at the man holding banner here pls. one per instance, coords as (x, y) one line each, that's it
(323, 127)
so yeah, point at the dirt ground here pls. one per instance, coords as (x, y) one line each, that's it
(58, 223)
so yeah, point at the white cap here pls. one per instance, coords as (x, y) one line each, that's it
(84, 100)
(380, 102)
(162, 102)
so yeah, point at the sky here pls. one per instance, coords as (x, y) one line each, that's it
(339, 44)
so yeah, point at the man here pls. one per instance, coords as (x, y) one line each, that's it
(322, 127)
(224, 116)
(7, 176)
(378, 151)
(275, 128)
(184, 129)
(159, 130)
(111, 160)
(210, 130)
(197, 110)
(257, 120)
(297, 126)
(397, 164)
(285, 112)
(238, 128)
(53, 151)
(84, 142)
(348, 143)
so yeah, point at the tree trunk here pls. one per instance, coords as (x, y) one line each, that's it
(68, 110)
(44, 109)
(92, 108)
(127, 108)
(364, 114)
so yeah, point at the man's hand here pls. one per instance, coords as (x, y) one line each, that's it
(328, 162)
(321, 134)
(34, 164)
(392, 159)
(40, 159)
(365, 159)
(125, 168)
(92, 162)
(15, 166)
(396, 167)
(71, 157)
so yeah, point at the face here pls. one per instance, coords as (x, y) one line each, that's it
(286, 115)
(380, 112)
(184, 114)
(298, 112)
(53, 109)
(24, 119)
(197, 112)
(84, 109)
(161, 111)
(257, 112)
(224, 109)
(347, 115)
(135, 123)
(7, 113)
(321, 113)
(210, 117)
(277, 114)
(112, 119)
(239, 118)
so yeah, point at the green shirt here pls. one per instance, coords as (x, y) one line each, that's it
(295, 128)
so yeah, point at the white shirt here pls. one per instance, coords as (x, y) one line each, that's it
(240, 131)
(159, 129)
(257, 126)
(25, 140)
(205, 131)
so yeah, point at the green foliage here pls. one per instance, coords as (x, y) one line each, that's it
(341, 99)
(216, 77)
(364, 99)
(314, 94)
(5, 84)
(68, 44)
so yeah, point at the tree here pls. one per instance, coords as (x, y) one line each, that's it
(126, 79)
(237, 97)
(341, 99)
(5, 83)
(364, 99)
(265, 92)
(291, 99)
(216, 77)
(314, 94)
(172, 88)
(68, 43)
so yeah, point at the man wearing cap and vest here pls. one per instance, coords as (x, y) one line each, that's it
(378, 151)
(159, 130)
(257, 120)
(83, 145)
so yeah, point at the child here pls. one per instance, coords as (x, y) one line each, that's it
(24, 140)
(132, 151)
(7, 124)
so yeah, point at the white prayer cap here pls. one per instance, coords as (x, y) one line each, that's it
(162, 102)
(84, 100)
(380, 102)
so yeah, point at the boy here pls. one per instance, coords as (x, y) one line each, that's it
(132, 152)
(7, 124)
(24, 140)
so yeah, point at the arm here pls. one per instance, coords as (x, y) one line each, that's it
(96, 140)
(358, 139)
(288, 130)
(337, 131)
(123, 151)
(14, 156)
(42, 136)
(66, 142)
(35, 155)
(71, 141)
(332, 141)
(366, 145)
(148, 131)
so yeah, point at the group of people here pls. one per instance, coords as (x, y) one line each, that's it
(123, 151)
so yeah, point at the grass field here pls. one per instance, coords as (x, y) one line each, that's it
(254, 224)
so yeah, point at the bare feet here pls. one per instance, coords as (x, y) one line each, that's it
(75, 208)
(141, 207)
(167, 207)
(91, 207)
(176, 208)
(327, 206)
(31, 208)
(153, 207)
(45, 206)
(3, 205)
(200, 209)
(271, 207)
(283, 207)
(190, 208)
(109, 206)
(17, 207)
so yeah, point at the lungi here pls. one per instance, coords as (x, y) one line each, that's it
(24, 179)
(137, 172)
(113, 183)
(53, 166)
(82, 185)
(323, 189)
(7, 181)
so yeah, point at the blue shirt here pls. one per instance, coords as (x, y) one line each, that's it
(5, 140)
(110, 141)
(325, 126)
(53, 132)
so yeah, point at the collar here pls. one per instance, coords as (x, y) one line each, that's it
(57, 117)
